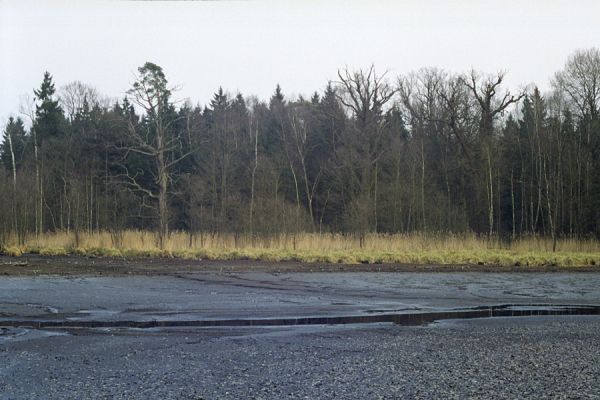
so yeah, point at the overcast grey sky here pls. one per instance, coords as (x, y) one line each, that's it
(250, 46)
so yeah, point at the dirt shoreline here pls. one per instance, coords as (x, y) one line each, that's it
(73, 265)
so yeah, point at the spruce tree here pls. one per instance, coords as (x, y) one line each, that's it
(13, 144)
(49, 115)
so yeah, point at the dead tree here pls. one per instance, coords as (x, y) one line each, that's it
(157, 143)
(484, 90)
(364, 94)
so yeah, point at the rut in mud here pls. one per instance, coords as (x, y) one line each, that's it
(406, 319)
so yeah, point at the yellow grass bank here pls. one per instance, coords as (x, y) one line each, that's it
(326, 248)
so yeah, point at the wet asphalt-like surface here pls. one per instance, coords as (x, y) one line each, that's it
(525, 357)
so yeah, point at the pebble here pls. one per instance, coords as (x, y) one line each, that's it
(525, 358)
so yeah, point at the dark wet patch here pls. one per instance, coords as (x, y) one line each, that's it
(73, 265)
(406, 319)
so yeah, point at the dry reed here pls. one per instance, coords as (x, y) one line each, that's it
(417, 248)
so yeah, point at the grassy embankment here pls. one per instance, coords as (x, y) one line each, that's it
(326, 248)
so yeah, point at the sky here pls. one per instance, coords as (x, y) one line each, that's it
(251, 46)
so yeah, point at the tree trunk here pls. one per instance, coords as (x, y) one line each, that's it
(14, 192)
(163, 179)
(252, 185)
(491, 196)
(375, 197)
(512, 202)
(38, 185)
(423, 184)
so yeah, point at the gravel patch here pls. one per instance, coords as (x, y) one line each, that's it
(503, 358)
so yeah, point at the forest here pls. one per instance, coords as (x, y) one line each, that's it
(428, 151)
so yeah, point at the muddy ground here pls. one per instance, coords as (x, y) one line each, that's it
(75, 327)
(33, 264)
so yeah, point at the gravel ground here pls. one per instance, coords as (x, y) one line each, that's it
(501, 358)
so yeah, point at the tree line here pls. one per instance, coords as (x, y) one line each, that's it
(427, 151)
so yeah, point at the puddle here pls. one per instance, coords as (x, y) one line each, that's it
(20, 334)
(98, 312)
(27, 310)
(406, 318)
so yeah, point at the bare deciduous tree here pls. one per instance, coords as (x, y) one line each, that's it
(485, 91)
(74, 95)
(365, 94)
(580, 79)
(157, 142)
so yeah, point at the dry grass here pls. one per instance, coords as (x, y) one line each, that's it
(331, 248)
